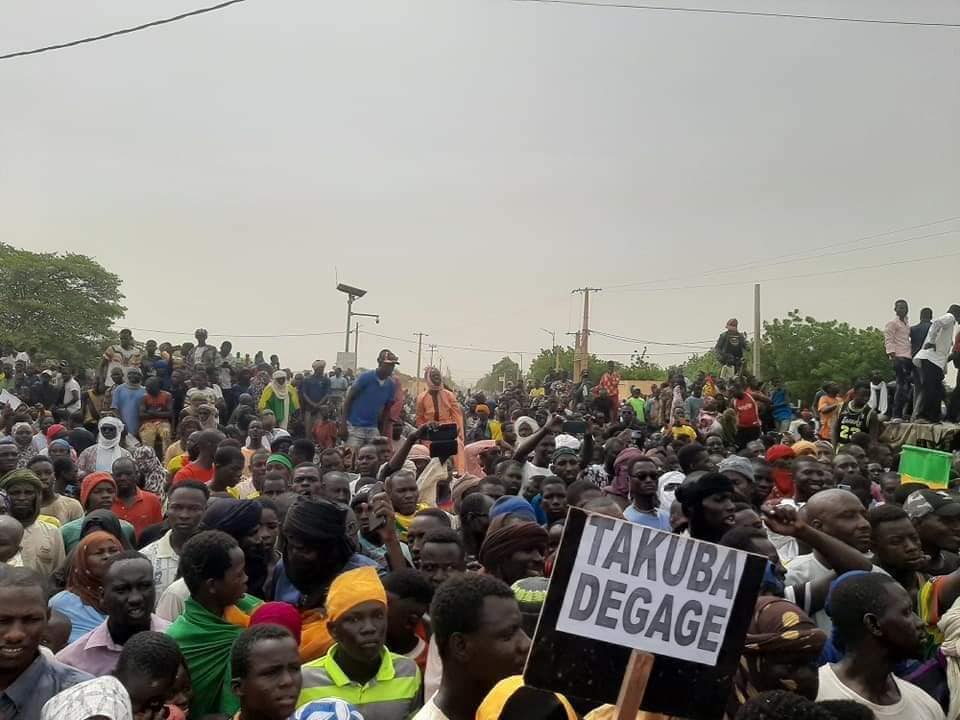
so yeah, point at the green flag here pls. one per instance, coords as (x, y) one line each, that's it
(921, 465)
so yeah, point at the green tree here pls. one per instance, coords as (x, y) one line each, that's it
(706, 363)
(504, 367)
(63, 304)
(637, 369)
(805, 353)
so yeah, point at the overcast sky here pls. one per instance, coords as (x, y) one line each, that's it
(471, 162)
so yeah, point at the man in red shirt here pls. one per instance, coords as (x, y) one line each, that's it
(748, 415)
(156, 413)
(610, 381)
(138, 507)
(201, 469)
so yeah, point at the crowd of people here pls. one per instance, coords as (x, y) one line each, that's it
(185, 533)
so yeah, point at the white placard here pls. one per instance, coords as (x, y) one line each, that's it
(651, 590)
(8, 398)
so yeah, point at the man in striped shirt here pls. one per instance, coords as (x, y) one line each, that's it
(359, 669)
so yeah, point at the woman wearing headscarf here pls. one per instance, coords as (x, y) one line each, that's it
(59, 448)
(779, 653)
(22, 434)
(437, 404)
(152, 474)
(97, 492)
(280, 398)
(81, 600)
(100, 457)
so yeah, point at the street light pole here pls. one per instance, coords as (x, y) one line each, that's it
(556, 350)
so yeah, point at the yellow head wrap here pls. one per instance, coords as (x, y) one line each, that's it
(510, 699)
(352, 588)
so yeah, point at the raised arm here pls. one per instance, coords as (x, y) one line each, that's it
(399, 457)
(785, 520)
(528, 445)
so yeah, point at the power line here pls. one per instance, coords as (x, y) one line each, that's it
(697, 344)
(124, 31)
(807, 254)
(746, 13)
(818, 273)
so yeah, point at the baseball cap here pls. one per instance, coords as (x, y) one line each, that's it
(386, 357)
(923, 502)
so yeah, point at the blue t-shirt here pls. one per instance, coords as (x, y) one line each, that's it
(127, 401)
(370, 396)
(660, 521)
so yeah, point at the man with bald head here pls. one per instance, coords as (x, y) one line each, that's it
(837, 513)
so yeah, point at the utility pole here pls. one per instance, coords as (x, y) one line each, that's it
(432, 349)
(582, 356)
(756, 330)
(420, 336)
(356, 339)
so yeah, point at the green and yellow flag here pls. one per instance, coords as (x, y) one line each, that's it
(929, 467)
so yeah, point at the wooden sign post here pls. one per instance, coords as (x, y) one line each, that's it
(634, 685)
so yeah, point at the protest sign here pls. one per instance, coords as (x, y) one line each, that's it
(618, 587)
(8, 398)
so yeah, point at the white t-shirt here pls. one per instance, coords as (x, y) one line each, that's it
(914, 703)
(68, 387)
(430, 711)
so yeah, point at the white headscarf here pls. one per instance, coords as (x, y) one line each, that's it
(668, 495)
(280, 390)
(101, 697)
(529, 421)
(108, 450)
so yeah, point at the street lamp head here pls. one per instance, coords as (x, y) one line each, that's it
(355, 292)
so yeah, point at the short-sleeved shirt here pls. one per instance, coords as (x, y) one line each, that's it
(370, 396)
(392, 693)
(127, 402)
(45, 677)
(145, 511)
(165, 563)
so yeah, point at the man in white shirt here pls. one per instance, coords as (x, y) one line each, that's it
(70, 401)
(874, 621)
(932, 362)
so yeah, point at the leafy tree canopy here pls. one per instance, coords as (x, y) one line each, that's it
(64, 304)
(805, 353)
(506, 368)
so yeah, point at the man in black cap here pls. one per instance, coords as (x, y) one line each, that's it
(936, 516)
(365, 408)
